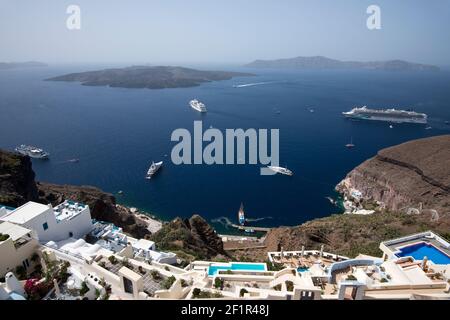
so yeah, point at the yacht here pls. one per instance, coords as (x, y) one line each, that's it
(281, 170)
(153, 169)
(350, 145)
(32, 152)
(241, 215)
(197, 105)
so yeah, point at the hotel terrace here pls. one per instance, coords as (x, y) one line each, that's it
(98, 261)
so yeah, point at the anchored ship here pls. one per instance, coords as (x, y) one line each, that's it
(197, 105)
(32, 152)
(241, 215)
(390, 115)
(281, 170)
(153, 169)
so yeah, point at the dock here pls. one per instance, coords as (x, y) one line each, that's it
(243, 228)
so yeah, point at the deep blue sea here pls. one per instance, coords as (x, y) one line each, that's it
(117, 132)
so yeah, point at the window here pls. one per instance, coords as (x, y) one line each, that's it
(45, 226)
(71, 234)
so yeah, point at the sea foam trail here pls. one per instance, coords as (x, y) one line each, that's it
(227, 222)
(251, 84)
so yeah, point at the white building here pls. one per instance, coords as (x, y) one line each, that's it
(67, 220)
(17, 249)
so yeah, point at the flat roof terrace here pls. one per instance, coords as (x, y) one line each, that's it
(68, 210)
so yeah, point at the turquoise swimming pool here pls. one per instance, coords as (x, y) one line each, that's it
(213, 269)
(302, 269)
(420, 250)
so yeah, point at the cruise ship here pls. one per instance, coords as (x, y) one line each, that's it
(197, 105)
(281, 170)
(153, 169)
(32, 152)
(390, 115)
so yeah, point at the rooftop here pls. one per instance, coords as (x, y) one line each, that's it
(14, 231)
(68, 209)
(25, 213)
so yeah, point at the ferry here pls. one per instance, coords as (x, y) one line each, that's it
(241, 215)
(389, 115)
(197, 105)
(32, 152)
(281, 170)
(153, 169)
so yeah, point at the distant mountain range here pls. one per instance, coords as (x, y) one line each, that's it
(157, 77)
(319, 62)
(14, 65)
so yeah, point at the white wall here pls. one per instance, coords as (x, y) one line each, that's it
(79, 226)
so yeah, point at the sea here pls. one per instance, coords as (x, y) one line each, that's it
(116, 133)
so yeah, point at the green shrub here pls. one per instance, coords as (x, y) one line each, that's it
(168, 282)
(3, 237)
(112, 259)
(242, 292)
(84, 288)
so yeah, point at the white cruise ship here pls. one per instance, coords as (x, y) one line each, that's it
(32, 152)
(390, 115)
(197, 105)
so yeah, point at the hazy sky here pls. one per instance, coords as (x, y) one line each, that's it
(223, 31)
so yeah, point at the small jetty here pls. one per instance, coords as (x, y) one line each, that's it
(243, 228)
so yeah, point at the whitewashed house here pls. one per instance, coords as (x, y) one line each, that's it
(67, 220)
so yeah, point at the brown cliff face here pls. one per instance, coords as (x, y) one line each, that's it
(415, 174)
(17, 184)
(193, 236)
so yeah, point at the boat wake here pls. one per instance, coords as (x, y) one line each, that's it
(251, 84)
(226, 222)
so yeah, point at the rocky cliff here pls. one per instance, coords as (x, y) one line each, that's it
(17, 184)
(411, 177)
(193, 236)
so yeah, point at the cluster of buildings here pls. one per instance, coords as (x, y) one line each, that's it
(98, 261)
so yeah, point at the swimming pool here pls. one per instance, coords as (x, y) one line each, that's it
(419, 250)
(214, 268)
(302, 269)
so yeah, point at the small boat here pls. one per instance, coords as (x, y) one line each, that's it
(241, 215)
(391, 126)
(120, 192)
(153, 169)
(311, 110)
(249, 230)
(428, 128)
(350, 145)
(281, 170)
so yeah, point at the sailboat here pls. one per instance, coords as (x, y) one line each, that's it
(241, 215)
(350, 145)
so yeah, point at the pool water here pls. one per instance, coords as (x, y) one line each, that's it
(213, 269)
(420, 250)
(302, 269)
